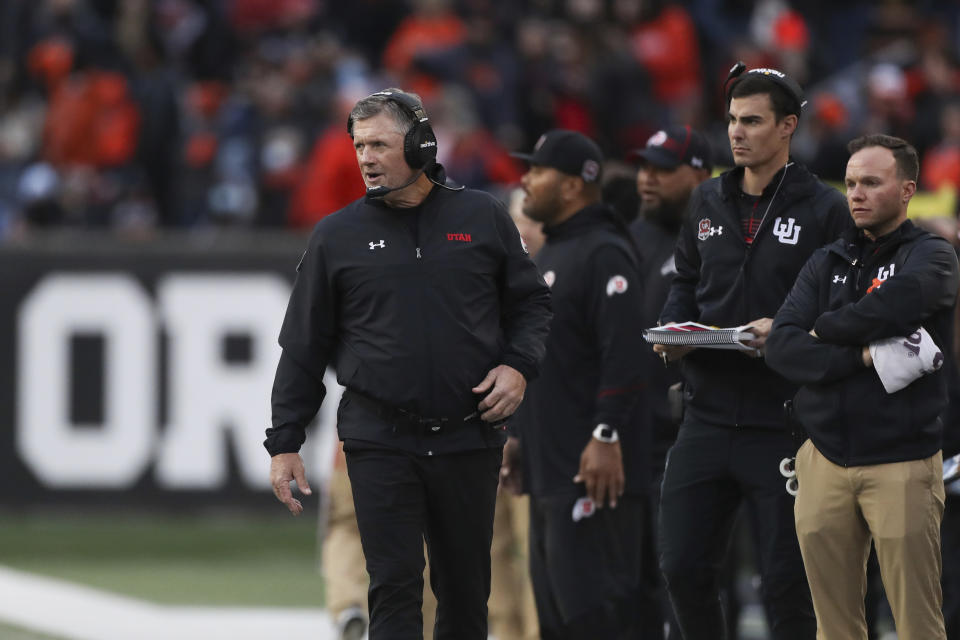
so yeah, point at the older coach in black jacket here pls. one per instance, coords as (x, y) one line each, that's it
(583, 451)
(872, 468)
(426, 301)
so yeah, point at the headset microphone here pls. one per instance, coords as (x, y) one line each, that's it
(379, 192)
(376, 193)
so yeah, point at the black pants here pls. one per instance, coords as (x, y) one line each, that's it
(710, 470)
(403, 499)
(950, 543)
(586, 573)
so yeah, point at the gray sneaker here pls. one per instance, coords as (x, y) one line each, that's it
(351, 624)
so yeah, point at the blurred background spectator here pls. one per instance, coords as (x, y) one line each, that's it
(139, 115)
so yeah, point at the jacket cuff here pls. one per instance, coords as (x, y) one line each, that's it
(286, 439)
(528, 370)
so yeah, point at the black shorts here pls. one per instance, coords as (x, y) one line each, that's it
(582, 562)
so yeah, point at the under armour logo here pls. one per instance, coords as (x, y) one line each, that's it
(837, 279)
(378, 245)
(788, 232)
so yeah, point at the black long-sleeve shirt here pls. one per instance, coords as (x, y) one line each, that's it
(413, 313)
(656, 242)
(592, 372)
(723, 281)
(851, 293)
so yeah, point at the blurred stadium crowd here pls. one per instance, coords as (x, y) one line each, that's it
(136, 115)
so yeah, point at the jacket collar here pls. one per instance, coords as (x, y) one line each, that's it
(851, 242)
(796, 182)
(592, 215)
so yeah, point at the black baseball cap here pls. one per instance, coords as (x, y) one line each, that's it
(739, 72)
(676, 145)
(567, 151)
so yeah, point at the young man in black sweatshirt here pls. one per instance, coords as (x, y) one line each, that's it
(746, 236)
(865, 330)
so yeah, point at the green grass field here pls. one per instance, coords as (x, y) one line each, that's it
(16, 633)
(263, 560)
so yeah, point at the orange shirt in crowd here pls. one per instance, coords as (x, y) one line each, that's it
(92, 121)
(667, 48)
(941, 167)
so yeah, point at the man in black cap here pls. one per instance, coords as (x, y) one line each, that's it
(746, 236)
(582, 449)
(673, 162)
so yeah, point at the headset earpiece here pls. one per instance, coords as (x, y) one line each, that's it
(419, 143)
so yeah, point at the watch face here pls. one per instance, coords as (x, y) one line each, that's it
(605, 433)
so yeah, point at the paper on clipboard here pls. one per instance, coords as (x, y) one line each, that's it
(694, 334)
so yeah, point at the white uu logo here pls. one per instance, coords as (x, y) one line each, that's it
(788, 232)
(885, 272)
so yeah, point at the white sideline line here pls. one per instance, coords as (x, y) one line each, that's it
(78, 612)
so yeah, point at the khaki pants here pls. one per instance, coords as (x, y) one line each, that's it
(512, 612)
(342, 564)
(839, 510)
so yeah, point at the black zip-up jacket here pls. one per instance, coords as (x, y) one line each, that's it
(590, 374)
(413, 307)
(724, 282)
(851, 293)
(656, 243)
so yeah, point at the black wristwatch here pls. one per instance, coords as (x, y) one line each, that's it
(606, 434)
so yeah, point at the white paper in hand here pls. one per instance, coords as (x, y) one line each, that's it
(900, 361)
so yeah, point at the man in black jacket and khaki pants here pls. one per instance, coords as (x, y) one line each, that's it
(856, 331)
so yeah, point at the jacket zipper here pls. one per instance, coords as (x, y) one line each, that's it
(746, 258)
(424, 318)
(855, 263)
(415, 233)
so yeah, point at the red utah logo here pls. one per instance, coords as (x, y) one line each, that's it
(459, 237)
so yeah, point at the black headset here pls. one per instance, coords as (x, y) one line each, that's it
(778, 78)
(419, 143)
